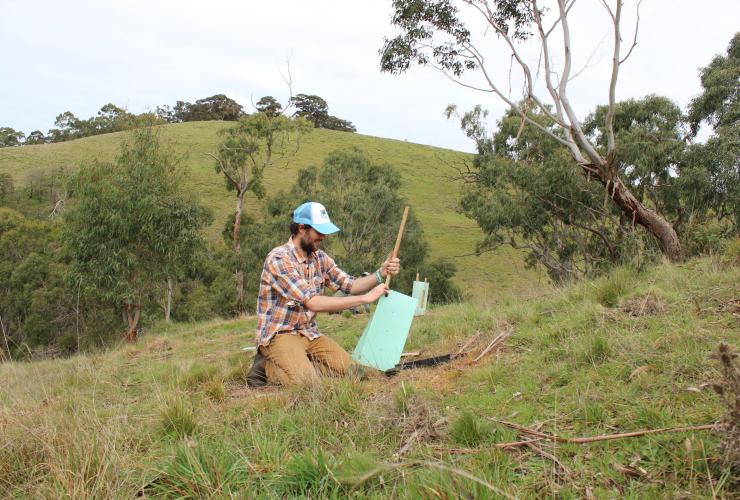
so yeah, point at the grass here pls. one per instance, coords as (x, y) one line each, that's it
(170, 416)
(425, 172)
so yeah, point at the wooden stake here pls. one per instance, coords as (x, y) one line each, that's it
(398, 242)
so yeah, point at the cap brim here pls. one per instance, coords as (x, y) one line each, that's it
(327, 228)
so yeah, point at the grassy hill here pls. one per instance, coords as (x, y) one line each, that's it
(426, 182)
(170, 416)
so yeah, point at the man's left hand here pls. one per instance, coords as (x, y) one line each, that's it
(392, 266)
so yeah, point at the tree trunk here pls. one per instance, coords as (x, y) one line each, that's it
(634, 210)
(168, 300)
(132, 313)
(238, 273)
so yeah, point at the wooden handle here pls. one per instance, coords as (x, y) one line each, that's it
(398, 242)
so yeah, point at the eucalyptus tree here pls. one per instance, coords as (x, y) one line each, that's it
(436, 33)
(10, 137)
(254, 144)
(717, 162)
(129, 226)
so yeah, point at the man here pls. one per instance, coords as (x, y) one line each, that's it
(289, 345)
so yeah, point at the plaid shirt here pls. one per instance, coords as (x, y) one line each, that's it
(287, 282)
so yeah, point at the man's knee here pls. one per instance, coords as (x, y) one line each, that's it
(287, 361)
(331, 355)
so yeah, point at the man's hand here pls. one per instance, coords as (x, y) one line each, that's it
(376, 293)
(392, 266)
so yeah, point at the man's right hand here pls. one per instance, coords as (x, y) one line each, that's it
(376, 293)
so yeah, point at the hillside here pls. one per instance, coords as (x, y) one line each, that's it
(426, 182)
(171, 416)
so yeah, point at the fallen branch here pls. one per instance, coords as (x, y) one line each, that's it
(468, 343)
(495, 342)
(605, 437)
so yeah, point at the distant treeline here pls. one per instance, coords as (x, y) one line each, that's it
(111, 118)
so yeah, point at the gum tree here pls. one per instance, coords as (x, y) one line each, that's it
(435, 33)
(129, 227)
(250, 147)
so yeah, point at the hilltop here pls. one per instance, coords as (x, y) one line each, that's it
(427, 175)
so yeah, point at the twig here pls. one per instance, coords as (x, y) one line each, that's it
(467, 344)
(605, 437)
(495, 342)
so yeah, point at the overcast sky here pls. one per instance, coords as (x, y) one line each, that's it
(78, 55)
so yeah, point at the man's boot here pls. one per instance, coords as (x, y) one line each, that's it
(257, 377)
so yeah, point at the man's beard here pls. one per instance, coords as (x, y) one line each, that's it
(307, 247)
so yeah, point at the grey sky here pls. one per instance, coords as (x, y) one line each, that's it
(78, 55)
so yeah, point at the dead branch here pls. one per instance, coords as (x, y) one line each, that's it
(494, 343)
(605, 437)
(637, 28)
(467, 344)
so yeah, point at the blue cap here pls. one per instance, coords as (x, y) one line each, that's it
(315, 215)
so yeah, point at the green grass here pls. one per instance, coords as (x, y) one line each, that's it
(425, 171)
(170, 416)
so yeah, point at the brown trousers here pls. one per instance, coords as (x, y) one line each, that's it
(294, 359)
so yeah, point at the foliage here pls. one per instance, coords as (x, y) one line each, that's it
(129, 226)
(269, 105)
(719, 104)
(248, 149)
(215, 107)
(316, 110)
(109, 119)
(649, 136)
(40, 310)
(10, 137)
(254, 144)
(715, 165)
(435, 33)
(522, 191)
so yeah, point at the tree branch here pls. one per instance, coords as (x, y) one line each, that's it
(637, 28)
(616, 17)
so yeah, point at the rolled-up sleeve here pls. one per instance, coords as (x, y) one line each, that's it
(335, 278)
(288, 281)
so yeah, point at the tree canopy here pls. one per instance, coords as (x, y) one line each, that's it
(316, 110)
(129, 226)
(436, 33)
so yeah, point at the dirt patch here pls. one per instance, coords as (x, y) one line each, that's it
(645, 305)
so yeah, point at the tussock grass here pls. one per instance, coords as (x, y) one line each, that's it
(177, 418)
(171, 416)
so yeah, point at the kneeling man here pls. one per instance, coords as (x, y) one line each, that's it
(290, 348)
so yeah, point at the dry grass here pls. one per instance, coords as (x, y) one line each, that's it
(110, 424)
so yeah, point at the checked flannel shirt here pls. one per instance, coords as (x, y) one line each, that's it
(287, 282)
